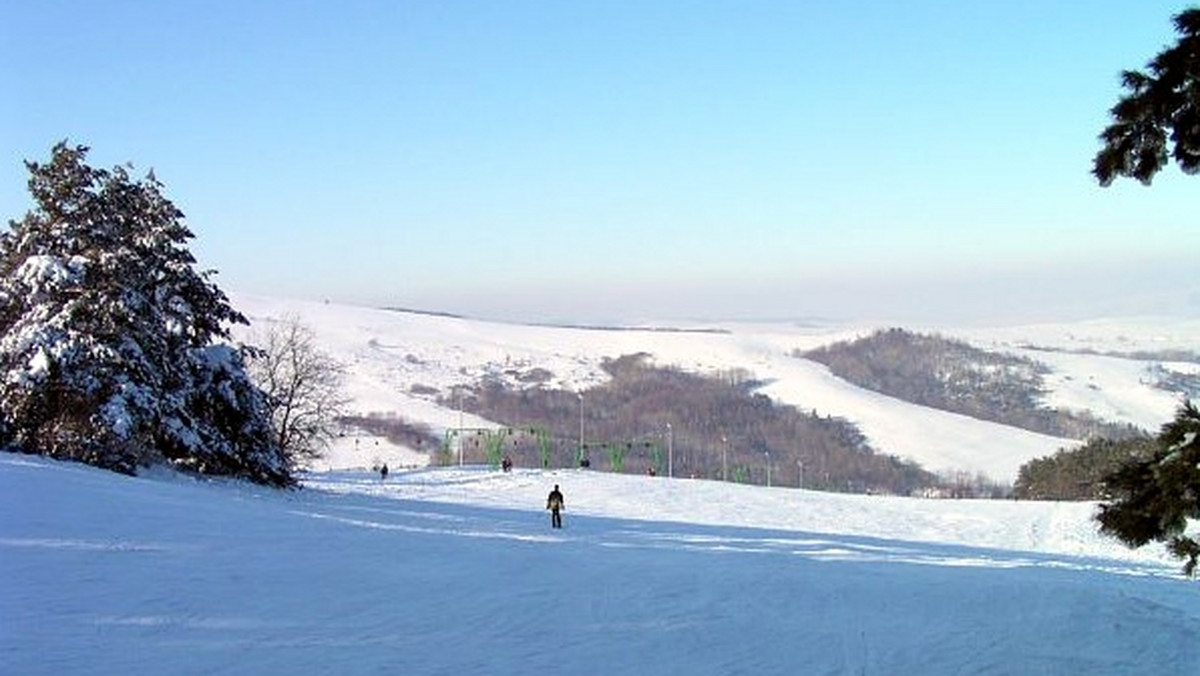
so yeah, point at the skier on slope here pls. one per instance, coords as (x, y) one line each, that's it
(554, 503)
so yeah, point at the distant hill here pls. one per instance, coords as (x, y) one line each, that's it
(718, 427)
(951, 375)
(414, 375)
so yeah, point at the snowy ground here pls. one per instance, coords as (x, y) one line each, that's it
(396, 359)
(455, 571)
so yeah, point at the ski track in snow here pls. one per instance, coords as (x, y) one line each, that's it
(456, 570)
(452, 571)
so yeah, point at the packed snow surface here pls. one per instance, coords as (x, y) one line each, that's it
(456, 571)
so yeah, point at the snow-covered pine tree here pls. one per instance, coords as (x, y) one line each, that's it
(114, 348)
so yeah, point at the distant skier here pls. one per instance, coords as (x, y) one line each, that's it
(554, 503)
(383, 472)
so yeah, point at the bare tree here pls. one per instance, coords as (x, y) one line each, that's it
(303, 386)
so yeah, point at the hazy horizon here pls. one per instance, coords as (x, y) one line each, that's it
(622, 160)
(1164, 288)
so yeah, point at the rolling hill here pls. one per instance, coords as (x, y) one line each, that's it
(414, 365)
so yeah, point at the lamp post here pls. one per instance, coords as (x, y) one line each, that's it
(460, 427)
(800, 483)
(768, 468)
(581, 452)
(724, 458)
(670, 453)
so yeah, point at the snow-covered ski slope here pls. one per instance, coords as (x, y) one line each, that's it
(395, 358)
(456, 571)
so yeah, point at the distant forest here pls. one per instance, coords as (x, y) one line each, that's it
(1078, 474)
(395, 429)
(1184, 384)
(953, 376)
(646, 418)
(658, 419)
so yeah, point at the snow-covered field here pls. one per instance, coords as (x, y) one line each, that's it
(455, 571)
(388, 354)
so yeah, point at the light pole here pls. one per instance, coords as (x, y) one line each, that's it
(724, 458)
(460, 427)
(581, 452)
(800, 482)
(670, 453)
(768, 468)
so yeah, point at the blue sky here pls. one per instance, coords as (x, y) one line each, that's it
(589, 161)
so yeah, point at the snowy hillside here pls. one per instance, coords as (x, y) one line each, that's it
(456, 571)
(396, 358)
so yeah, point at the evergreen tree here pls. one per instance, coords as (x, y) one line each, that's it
(1079, 473)
(1153, 498)
(1166, 99)
(114, 347)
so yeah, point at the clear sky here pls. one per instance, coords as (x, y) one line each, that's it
(624, 160)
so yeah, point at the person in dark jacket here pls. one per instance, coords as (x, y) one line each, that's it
(554, 503)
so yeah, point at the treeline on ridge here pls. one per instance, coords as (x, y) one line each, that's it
(1079, 473)
(953, 376)
(712, 427)
(393, 427)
